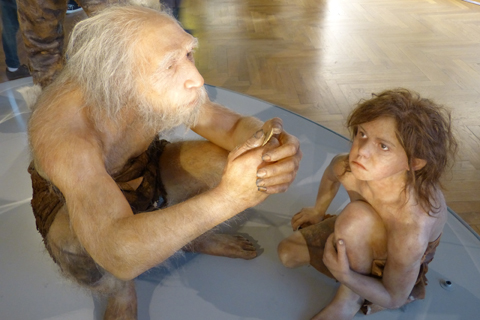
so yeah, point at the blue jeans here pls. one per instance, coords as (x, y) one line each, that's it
(9, 32)
(173, 5)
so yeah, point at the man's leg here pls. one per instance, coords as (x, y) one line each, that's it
(76, 264)
(190, 168)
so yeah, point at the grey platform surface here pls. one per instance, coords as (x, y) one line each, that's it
(205, 287)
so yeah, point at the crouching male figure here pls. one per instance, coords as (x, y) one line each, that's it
(98, 159)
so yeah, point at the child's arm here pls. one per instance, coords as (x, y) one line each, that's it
(326, 192)
(399, 276)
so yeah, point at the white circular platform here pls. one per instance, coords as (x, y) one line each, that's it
(206, 287)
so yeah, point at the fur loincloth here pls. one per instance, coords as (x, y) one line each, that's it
(47, 200)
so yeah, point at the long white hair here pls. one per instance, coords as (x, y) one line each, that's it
(103, 65)
(101, 56)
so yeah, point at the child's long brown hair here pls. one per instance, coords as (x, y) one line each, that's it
(424, 131)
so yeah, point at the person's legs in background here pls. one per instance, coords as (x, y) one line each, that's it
(9, 40)
(174, 6)
(72, 7)
(41, 23)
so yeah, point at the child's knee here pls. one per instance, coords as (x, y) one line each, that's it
(364, 234)
(358, 219)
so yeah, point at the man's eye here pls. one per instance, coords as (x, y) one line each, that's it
(171, 64)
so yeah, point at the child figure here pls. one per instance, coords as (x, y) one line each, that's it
(380, 245)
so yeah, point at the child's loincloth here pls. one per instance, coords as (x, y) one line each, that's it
(316, 237)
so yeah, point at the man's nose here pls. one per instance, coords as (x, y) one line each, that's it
(195, 79)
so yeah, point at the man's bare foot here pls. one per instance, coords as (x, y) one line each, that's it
(122, 305)
(344, 306)
(223, 245)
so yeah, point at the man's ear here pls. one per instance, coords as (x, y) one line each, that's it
(418, 164)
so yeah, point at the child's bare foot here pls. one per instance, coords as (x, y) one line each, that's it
(344, 306)
(224, 245)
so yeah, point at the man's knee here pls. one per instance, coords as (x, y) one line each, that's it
(80, 267)
(364, 234)
(191, 167)
(293, 251)
(193, 155)
(68, 253)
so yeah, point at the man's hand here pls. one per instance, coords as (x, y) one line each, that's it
(282, 159)
(306, 217)
(238, 180)
(336, 260)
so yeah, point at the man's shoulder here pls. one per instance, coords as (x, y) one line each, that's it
(52, 113)
(63, 145)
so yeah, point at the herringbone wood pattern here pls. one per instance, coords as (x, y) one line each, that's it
(319, 57)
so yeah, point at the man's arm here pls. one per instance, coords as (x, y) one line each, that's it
(228, 130)
(126, 244)
(224, 127)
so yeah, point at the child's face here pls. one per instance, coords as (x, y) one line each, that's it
(376, 153)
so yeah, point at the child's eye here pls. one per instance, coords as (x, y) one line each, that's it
(362, 134)
(384, 147)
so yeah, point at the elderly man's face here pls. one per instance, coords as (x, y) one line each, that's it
(170, 74)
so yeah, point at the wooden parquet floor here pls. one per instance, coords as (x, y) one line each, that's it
(318, 58)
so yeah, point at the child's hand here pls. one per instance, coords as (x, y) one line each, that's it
(306, 217)
(335, 258)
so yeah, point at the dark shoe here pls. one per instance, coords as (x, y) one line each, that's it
(72, 7)
(21, 72)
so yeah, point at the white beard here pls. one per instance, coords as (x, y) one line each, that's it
(163, 117)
